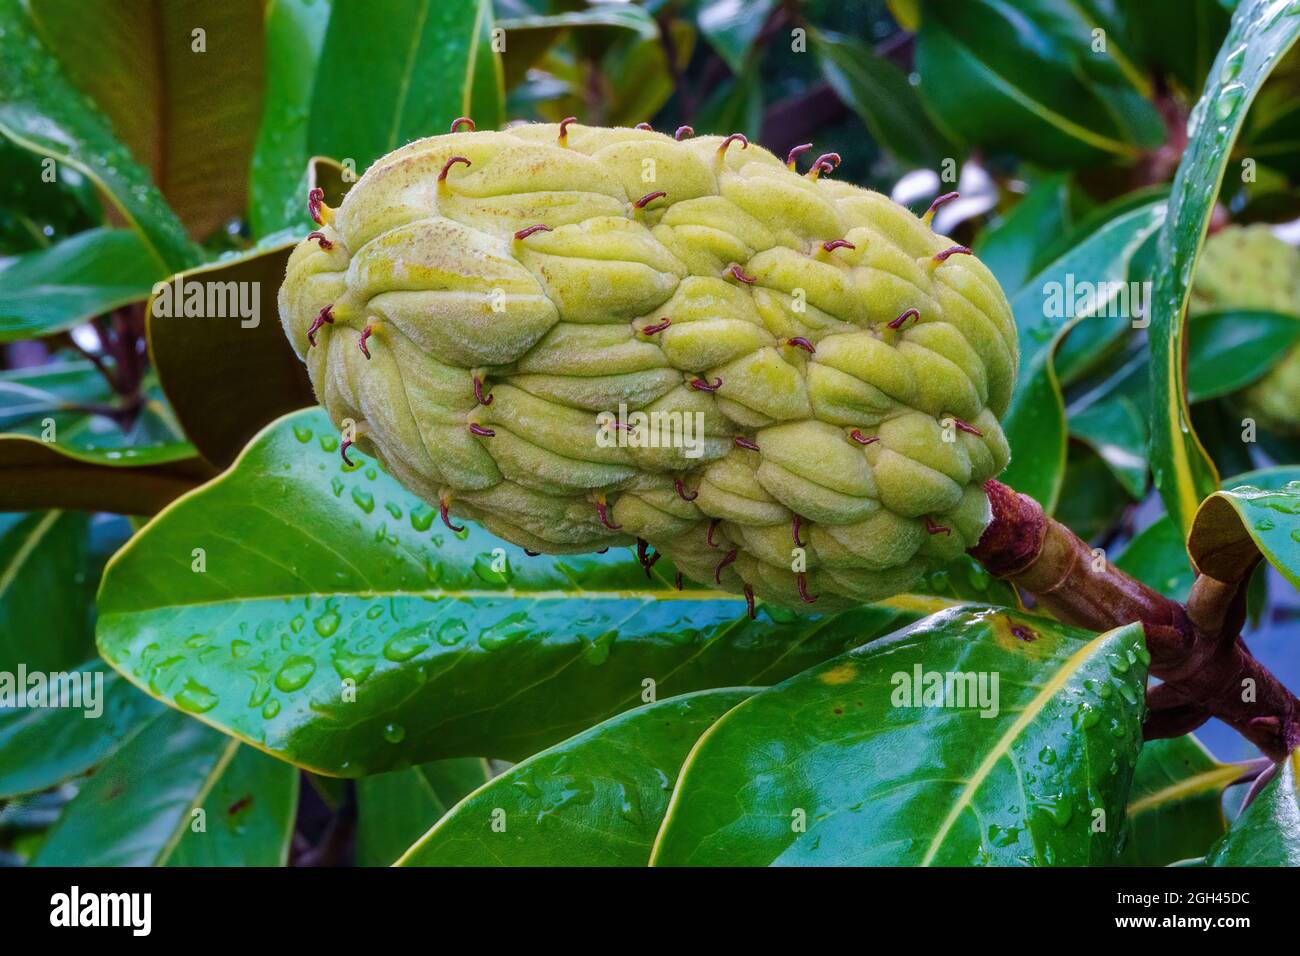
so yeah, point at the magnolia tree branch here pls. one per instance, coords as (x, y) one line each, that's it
(1196, 648)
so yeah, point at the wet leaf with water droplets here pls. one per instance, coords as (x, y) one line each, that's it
(593, 800)
(296, 573)
(880, 757)
(1184, 472)
(1233, 528)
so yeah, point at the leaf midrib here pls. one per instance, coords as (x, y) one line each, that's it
(1003, 746)
(24, 551)
(1204, 782)
(1044, 112)
(408, 70)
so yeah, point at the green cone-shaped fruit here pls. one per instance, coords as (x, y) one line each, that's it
(1247, 267)
(702, 348)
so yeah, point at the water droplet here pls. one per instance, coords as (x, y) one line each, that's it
(394, 733)
(363, 499)
(195, 698)
(327, 623)
(271, 709)
(422, 518)
(295, 673)
(1003, 836)
(528, 786)
(629, 803)
(1229, 99)
(1232, 65)
(597, 652)
(1057, 808)
(505, 631)
(451, 632)
(407, 644)
(1085, 717)
(302, 433)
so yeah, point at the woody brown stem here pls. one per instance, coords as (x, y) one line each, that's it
(1196, 649)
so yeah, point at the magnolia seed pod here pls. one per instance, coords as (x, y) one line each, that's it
(585, 337)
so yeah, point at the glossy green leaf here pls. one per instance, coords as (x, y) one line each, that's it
(1013, 246)
(295, 34)
(42, 111)
(1226, 351)
(1117, 432)
(1268, 831)
(878, 91)
(595, 800)
(44, 746)
(392, 71)
(834, 766)
(1023, 77)
(394, 809)
(487, 102)
(340, 625)
(1092, 500)
(53, 289)
(1179, 37)
(35, 214)
(227, 366)
(1088, 347)
(735, 106)
(1175, 805)
(1261, 33)
(139, 807)
(46, 622)
(1233, 528)
(731, 27)
(1224, 432)
(1271, 134)
(1158, 555)
(637, 76)
(964, 580)
(77, 413)
(529, 37)
(28, 393)
(1090, 280)
(187, 114)
(249, 813)
(70, 405)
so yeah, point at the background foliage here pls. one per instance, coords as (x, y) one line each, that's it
(1105, 163)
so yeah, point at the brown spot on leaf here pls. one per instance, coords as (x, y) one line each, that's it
(241, 804)
(1022, 633)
